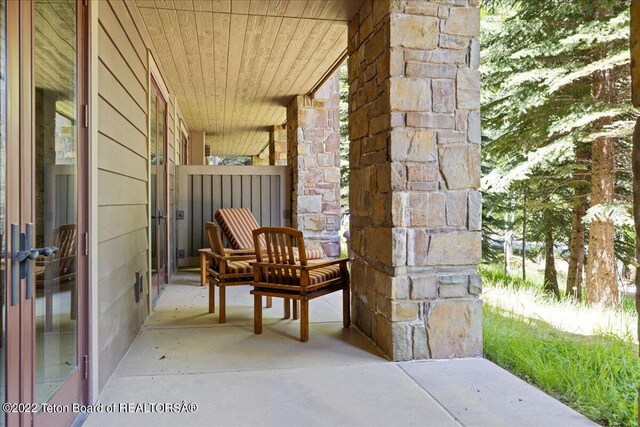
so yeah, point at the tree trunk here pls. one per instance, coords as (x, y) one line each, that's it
(576, 245)
(550, 272)
(635, 160)
(524, 236)
(602, 286)
(508, 250)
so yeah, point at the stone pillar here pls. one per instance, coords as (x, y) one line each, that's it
(278, 146)
(313, 140)
(196, 148)
(261, 159)
(45, 128)
(414, 126)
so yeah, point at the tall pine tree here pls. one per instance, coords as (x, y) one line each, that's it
(555, 102)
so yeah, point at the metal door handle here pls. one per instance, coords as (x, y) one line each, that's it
(23, 259)
(27, 267)
(15, 264)
(47, 251)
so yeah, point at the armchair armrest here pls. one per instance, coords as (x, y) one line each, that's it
(316, 265)
(232, 257)
(247, 251)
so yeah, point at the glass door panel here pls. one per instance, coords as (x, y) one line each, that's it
(3, 215)
(158, 202)
(162, 190)
(56, 170)
(153, 205)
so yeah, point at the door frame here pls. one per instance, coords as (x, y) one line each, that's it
(67, 392)
(20, 198)
(155, 79)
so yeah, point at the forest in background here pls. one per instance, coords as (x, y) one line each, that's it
(557, 128)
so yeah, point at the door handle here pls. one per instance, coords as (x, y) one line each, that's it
(15, 264)
(27, 266)
(23, 260)
(47, 251)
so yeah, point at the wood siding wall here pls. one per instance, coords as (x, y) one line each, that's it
(123, 168)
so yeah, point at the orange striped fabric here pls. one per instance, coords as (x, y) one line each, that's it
(324, 274)
(237, 225)
(311, 254)
(314, 253)
(237, 267)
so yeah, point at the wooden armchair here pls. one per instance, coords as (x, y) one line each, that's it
(226, 267)
(58, 269)
(278, 272)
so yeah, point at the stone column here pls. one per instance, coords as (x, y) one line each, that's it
(45, 128)
(313, 140)
(414, 126)
(278, 146)
(196, 148)
(261, 159)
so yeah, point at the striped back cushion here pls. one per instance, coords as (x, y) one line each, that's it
(237, 225)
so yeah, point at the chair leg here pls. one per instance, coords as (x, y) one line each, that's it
(346, 307)
(295, 309)
(269, 302)
(48, 308)
(212, 297)
(257, 314)
(222, 317)
(203, 270)
(74, 300)
(304, 320)
(287, 308)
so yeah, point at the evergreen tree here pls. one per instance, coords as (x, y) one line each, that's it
(555, 112)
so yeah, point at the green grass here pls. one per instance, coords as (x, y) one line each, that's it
(494, 275)
(597, 375)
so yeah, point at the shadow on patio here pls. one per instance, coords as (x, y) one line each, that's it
(337, 378)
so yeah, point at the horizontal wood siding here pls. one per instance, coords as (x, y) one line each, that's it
(122, 183)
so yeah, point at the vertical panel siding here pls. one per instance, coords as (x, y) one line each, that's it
(206, 189)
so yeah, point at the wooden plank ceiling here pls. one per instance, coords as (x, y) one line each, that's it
(55, 51)
(234, 65)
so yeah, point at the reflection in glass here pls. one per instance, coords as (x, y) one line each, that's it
(56, 210)
(3, 128)
(153, 142)
(157, 137)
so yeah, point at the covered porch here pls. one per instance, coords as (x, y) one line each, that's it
(257, 78)
(338, 378)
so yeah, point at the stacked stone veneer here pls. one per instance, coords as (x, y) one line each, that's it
(261, 159)
(313, 141)
(414, 125)
(278, 146)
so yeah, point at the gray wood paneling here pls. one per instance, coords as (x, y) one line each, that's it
(122, 187)
(205, 189)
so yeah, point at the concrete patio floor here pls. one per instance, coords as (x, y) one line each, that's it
(338, 378)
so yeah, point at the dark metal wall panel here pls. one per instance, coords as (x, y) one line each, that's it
(205, 189)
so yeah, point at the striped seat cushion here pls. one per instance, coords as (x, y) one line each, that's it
(238, 267)
(324, 274)
(237, 225)
(311, 253)
(314, 253)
